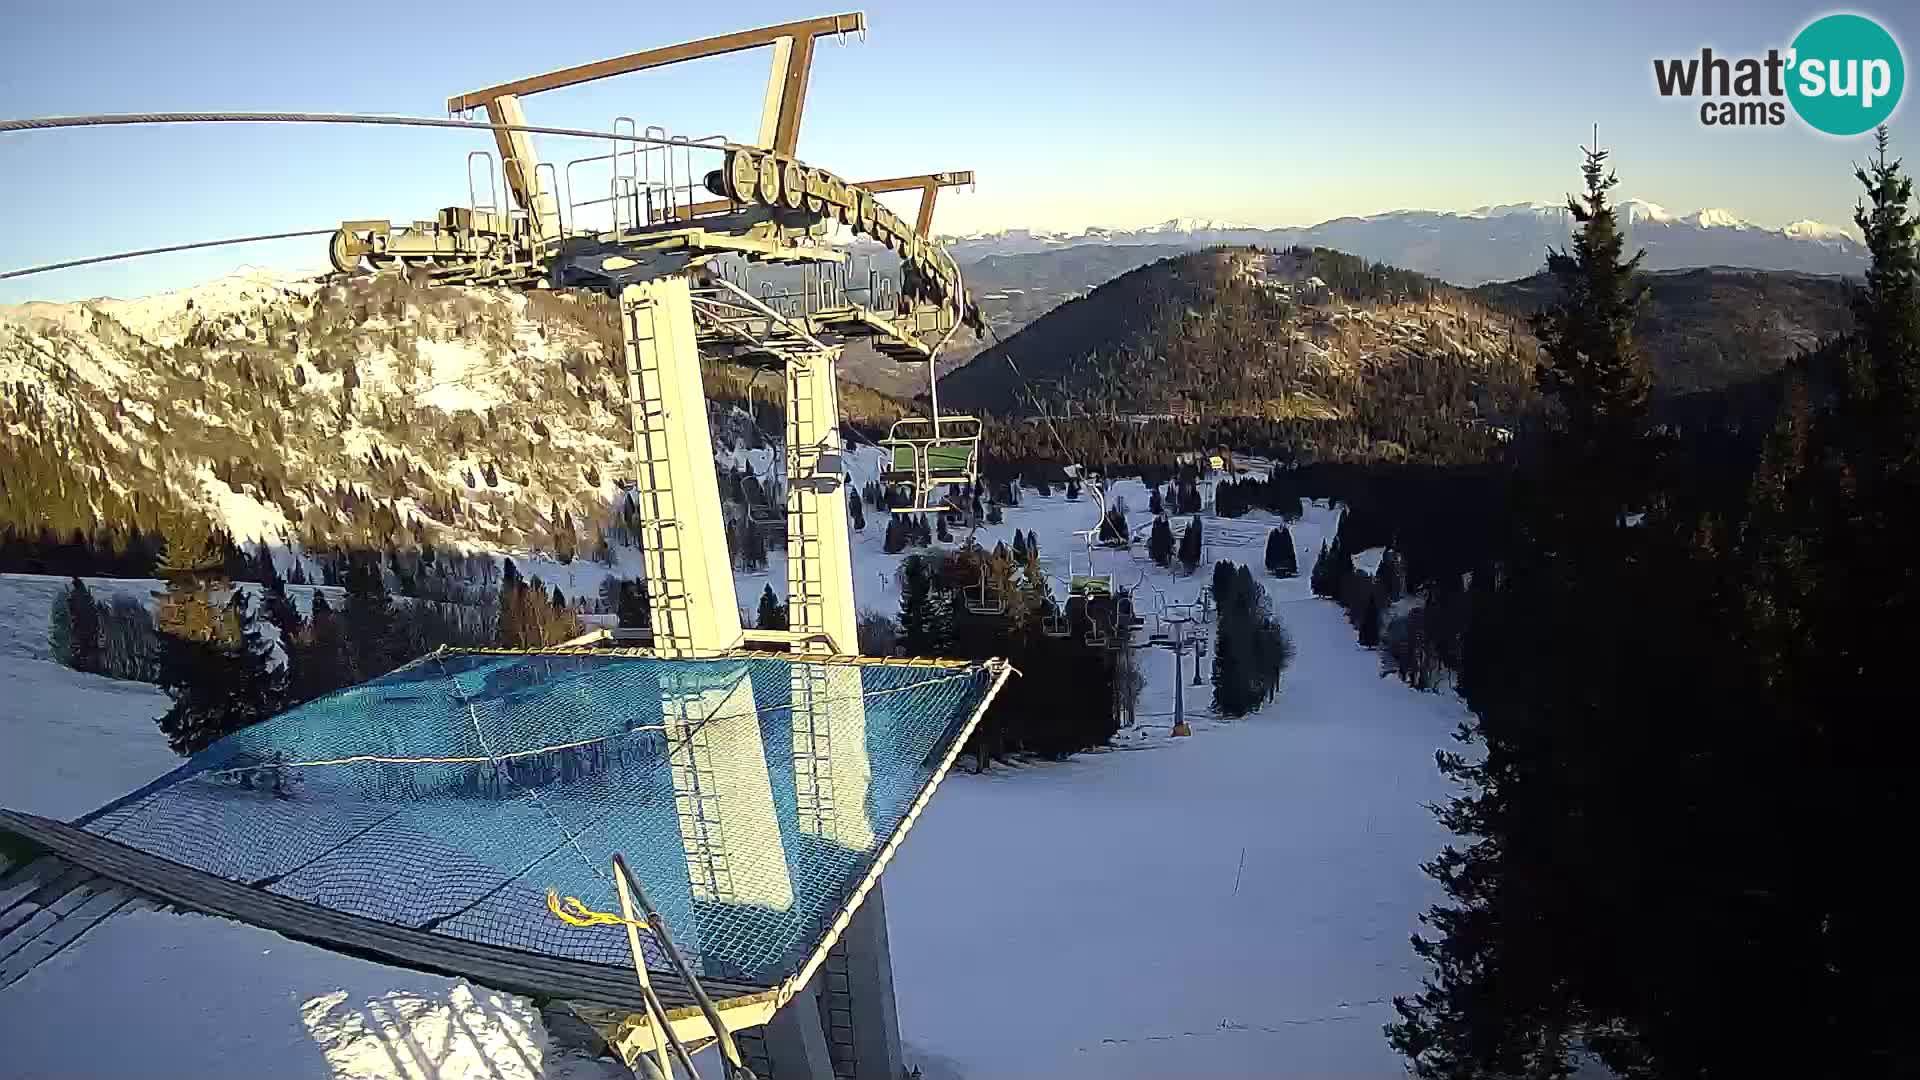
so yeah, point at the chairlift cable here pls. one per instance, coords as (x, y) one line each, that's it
(46, 123)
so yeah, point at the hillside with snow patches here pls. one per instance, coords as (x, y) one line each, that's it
(290, 409)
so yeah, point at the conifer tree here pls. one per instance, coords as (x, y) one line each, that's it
(1370, 621)
(1155, 505)
(773, 613)
(566, 539)
(1160, 543)
(1542, 941)
(1281, 561)
(218, 684)
(1233, 676)
(1019, 547)
(919, 631)
(1594, 372)
(84, 620)
(369, 620)
(854, 512)
(634, 607)
(1332, 569)
(320, 664)
(60, 628)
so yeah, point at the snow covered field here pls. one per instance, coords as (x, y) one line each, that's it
(192, 996)
(1233, 904)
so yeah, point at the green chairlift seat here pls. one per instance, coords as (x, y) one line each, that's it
(924, 456)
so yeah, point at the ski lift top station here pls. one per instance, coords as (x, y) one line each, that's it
(470, 812)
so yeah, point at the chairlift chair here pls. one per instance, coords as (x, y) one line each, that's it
(924, 455)
(761, 511)
(985, 598)
(1126, 609)
(1055, 620)
(1089, 583)
(1054, 623)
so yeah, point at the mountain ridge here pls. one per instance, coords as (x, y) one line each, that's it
(1477, 246)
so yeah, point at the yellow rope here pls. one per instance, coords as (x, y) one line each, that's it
(574, 913)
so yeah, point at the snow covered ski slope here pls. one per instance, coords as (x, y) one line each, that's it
(1232, 904)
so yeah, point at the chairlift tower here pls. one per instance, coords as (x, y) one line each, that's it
(651, 238)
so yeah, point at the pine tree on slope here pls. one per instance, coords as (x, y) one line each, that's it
(773, 613)
(84, 620)
(1160, 542)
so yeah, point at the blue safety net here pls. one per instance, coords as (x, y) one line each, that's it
(750, 795)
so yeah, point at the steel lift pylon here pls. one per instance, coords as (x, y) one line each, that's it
(654, 253)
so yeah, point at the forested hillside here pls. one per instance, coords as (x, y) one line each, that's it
(365, 413)
(1708, 328)
(1308, 354)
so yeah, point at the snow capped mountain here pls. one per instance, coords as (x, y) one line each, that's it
(1538, 209)
(1819, 233)
(1499, 242)
(1642, 210)
(1716, 218)
(1194, 225)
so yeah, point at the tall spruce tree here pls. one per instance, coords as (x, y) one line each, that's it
(919, 632)
(1594, 373)
(1835, 506)
(1160, 542)
(1559, 934)
(218, 684)
(369, 624)
(1370, 621)
(1281, 560)
(84, 646)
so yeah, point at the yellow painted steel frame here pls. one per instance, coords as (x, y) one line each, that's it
(786, 96)
(636, 1037)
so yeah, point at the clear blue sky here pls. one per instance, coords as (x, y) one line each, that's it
(1115, 113)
